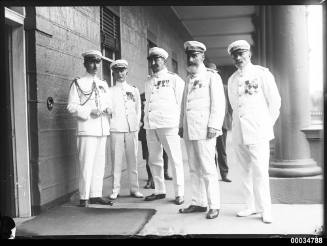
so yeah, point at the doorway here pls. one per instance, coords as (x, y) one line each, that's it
(14, 173)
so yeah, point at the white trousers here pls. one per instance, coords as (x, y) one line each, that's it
(91, 153)
(168, 139)
(124, 143)
(254, 160)
(203, 173)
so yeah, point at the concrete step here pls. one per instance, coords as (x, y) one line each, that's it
(304, 190)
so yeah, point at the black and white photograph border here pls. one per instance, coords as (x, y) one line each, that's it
(41, 50)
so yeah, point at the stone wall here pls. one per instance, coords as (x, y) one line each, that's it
(62, 34)
(161, 26)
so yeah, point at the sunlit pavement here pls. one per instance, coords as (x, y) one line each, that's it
(287, 218)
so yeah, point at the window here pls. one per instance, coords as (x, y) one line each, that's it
(110, 41)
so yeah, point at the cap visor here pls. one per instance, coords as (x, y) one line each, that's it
(92, 58)
(106, 59)
(194, 51)
(155, 56)
(239, 50)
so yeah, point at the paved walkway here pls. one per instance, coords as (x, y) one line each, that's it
(288, 218)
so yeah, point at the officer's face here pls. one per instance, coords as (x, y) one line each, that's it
(92, 65)
(194, 59)
(119, 74)
(157, 63)
(241, 58)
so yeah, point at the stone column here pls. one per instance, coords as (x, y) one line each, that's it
(289, 44)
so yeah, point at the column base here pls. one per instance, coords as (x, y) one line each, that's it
(294, 168)
(300, 190)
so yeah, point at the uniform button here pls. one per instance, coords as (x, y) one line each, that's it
(149, 111)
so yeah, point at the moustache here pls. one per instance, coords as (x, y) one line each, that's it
(92, 70)
(192, 69)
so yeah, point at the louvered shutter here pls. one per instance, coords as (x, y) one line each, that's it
(110, 29)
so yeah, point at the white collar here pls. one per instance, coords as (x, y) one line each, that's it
(92, 77)
(246, 69)
(121, 84)
(161, 72)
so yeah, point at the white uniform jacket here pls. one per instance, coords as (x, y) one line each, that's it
(203, 104)
(163, 95)
(126, 108)
(83, 97)
(255, 100)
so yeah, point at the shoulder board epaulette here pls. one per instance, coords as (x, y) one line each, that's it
(74, 81)
(262, 68)
(171, 73)
(134, 86)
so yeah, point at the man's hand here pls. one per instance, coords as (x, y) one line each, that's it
(211, 132)
(107, 111)
(180, 132)
(95, 113)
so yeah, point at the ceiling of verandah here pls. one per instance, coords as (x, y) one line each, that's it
(217, 27)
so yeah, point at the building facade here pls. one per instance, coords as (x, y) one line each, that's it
(44, 50)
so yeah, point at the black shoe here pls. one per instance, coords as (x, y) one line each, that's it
(100, 200)
(179, 200)
(155, 197)
(83, 203)
(225, 179)
(167, 177)
(192, 209)
(212, 213)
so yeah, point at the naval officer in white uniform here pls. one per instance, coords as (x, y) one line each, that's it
(163, 95)
(203, 113)
(124, 124)
(89, 102)
(255, 100)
